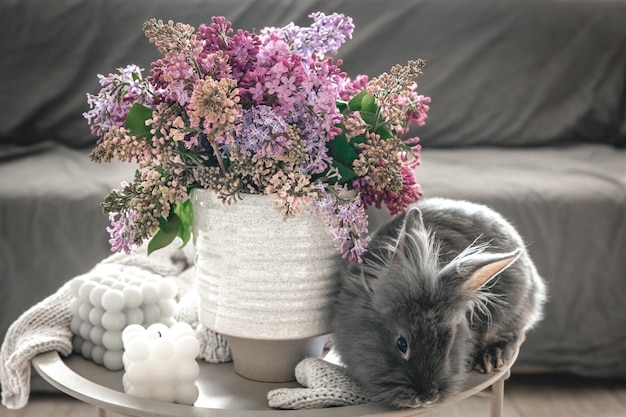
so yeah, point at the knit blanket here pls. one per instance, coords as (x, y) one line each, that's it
(46, 327)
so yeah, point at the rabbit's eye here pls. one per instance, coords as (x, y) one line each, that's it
(402, 344)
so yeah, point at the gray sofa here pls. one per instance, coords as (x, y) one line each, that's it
(528, 116)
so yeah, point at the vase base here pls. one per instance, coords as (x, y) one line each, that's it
(272, 360)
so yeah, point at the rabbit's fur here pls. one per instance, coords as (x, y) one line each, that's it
(444, 288)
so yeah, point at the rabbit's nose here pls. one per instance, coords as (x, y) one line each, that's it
(429, 397)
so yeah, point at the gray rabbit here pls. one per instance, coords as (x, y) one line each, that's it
(444, 288)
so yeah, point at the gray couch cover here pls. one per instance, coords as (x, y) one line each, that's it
(528, 116)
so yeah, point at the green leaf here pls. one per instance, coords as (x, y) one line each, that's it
(342, 106)
(136, 120)
(370, 118)
(168, 230)
(368, 103)
(341, 150)
(185, 213)
(384, 131)
(357, 140)
(355, 102)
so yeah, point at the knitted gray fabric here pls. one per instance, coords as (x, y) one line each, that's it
(42, 328)
(46, 326)
(327, 385)
(213, 347)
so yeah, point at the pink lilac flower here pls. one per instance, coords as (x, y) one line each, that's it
(175, 78)
(418, 111)
(243, 48)
(214, 106)
(349, 88)
(273, 44)
(283, 83)
(395, 202)
(411, 158)
(215, 35)
(214, 65)
(411, 192)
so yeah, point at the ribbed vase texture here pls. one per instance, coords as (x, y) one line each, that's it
(259, 276)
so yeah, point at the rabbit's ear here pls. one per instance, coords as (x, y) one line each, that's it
(413, 222)
(483, 267)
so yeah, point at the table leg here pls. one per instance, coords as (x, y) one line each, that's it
(497, 399)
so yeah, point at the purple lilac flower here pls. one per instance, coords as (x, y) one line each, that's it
(118, 93)
(261, 131)
(325, 35)
(347, 222)
(121, 232)
(311, 131)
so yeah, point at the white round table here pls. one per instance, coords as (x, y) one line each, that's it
(223, 393)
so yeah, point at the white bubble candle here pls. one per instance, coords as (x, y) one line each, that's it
(108, 299)
(160, 362)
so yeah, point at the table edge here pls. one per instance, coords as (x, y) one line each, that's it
(52, 367)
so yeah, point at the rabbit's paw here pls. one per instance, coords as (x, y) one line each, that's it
(495, 357)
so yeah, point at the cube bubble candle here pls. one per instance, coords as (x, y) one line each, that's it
(111, 297)
(160, 362)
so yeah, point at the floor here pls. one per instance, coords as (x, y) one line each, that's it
(525, 396)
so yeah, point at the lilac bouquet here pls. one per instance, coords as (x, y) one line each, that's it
(268, 113)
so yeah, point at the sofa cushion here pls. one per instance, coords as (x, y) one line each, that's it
(518, 72)
(521, 72)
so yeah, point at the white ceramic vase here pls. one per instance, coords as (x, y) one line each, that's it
(265, 283)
